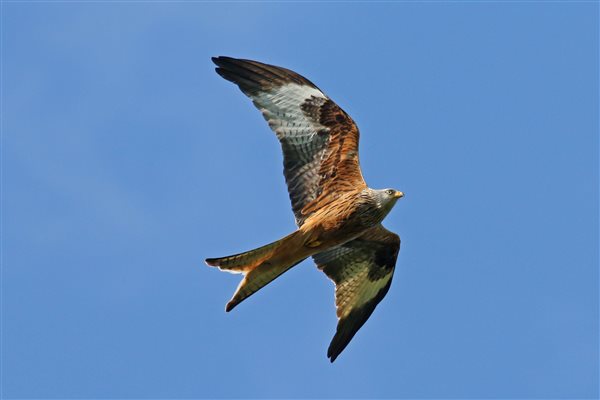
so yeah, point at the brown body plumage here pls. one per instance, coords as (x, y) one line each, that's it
(338, 216)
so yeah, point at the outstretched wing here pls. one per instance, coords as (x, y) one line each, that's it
(319, 140)
(362, 270)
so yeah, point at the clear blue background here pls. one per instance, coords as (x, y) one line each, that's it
(127, 160)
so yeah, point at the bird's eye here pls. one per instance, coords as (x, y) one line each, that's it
(390, 192)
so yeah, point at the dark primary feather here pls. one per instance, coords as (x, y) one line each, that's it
(362, 271)
(254, 76)
(318, 139)
(349, 325)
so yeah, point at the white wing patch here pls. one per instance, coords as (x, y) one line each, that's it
(281, 107)
(357, 289)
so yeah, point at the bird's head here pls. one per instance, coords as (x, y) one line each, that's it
(387, 198)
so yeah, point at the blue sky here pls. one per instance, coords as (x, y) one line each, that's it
(126, 161)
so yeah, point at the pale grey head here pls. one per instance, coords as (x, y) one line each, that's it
(383, 200)
(387, 198)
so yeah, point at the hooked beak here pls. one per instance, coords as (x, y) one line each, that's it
(398, 195)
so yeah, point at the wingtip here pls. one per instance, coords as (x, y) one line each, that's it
(211, 262)
(218, 60)
(332, 357)
(221, 73)
(230, 306)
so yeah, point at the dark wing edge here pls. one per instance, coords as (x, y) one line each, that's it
(362, 271)
(319, 140)
(253, 77)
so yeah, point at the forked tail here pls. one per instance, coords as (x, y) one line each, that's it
(262, 265)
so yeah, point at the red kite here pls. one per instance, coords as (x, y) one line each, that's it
(338, 216)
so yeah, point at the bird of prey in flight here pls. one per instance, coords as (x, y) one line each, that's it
(338, 215)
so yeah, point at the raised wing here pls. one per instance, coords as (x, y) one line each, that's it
(362, 270)
(319, 140)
